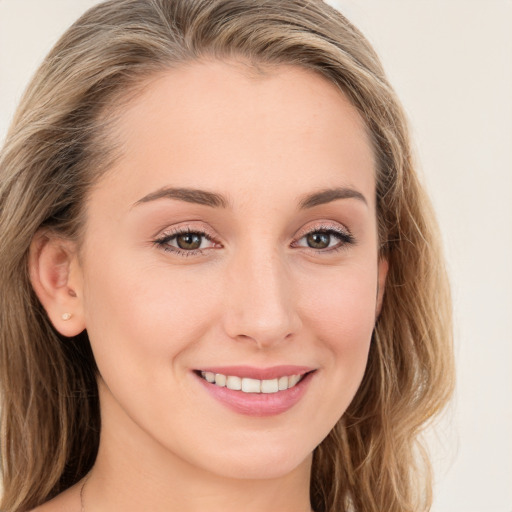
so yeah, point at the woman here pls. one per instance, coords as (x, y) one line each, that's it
(221, 280)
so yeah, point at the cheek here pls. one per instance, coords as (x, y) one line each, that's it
(143, 316)
(342, 302)
(340, 310)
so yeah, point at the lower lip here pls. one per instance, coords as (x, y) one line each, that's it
(258, 404)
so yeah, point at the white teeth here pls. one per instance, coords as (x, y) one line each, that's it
(247, 385)
(270, 386)
(209, 376)
(293, 380)
(220, 380)
(251, 385)
(283, 383)
(234, 383)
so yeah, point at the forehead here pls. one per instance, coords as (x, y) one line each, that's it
(234, 130)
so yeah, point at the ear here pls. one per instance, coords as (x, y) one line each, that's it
(57, 280)
(382, 272)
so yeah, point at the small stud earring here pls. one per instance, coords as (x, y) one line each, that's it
(66, 316)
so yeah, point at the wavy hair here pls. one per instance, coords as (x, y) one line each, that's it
(58, 146)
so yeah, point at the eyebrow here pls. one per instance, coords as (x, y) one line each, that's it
(189, 195)
(331, 194)
(214, 200)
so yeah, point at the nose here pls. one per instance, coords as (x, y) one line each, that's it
(260, 305)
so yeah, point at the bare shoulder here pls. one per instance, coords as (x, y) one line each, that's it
(67, 501)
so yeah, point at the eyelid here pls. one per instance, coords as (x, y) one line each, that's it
(345, 236)
(194, 226)
(323, 226)
(161, 240)
(179, 230)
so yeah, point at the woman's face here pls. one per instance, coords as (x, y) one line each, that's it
(235, 240)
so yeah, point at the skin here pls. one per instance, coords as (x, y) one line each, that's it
(256, 295)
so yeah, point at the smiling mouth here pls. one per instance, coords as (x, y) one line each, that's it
(248, 385)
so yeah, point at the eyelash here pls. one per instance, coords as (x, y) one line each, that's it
(344, 237)
(163, 242)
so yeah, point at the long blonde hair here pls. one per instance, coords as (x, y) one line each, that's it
(57, 147)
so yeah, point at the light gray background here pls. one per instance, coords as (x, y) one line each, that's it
(451, 63)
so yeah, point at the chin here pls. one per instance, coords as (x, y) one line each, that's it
(257, 457)
(267, 466)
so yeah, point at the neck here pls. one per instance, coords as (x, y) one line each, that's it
(133, 472)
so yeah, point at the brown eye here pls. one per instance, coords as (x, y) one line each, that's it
(318, 240)
(325, 240)
(189, 241)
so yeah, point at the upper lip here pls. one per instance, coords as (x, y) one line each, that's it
(252, 372)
